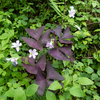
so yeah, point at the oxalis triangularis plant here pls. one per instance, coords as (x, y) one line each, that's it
(38, 41)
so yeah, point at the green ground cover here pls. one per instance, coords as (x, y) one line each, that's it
(81, 76)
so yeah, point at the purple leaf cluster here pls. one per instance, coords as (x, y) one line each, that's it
(32, 67)
(39, 40)
(42, 81)
(62, 53)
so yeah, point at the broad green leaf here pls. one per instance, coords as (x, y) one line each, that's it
(4, 36)
(5, 42)
(98, 72)
(19, 94)
(6, 65)
(94, 76)
(66, 95)
(4, 47)
(98, 84)
(11, 33)
(31, 89)
(61, 97)
(3, 97)
(85, 81)
(89, 70)
(1, 56)
(50, 95)
(10, 93)
(55, 85)
(76, 91)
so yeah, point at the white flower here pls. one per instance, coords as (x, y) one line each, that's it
(14, 60)
(33, 53)
(71, 7)
(78, 27)
(72, 12)
(50, 44)
(16, 45)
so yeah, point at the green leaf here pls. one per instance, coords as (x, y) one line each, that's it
(85, 81)
(89, 70)
(96, 30)
(65, 63)
(85, 42)
(50, 95)
(96, 97)
(19, 94)
(55, 85)
(94, 76)
(31, 89)
(76, 91)
(98, 72)
(1, 56)
(66, 95)
(26, 82)
(1, 70)
(3, 97)
(61, 97)
(4, 36)
(4, 42)
(10, 93)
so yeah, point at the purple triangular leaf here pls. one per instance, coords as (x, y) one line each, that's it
(65, 41)
(24, 59)
(58, 31)
(67, 33)
(45, 37)
(52, 74)
(35, 33)
(56, 54)
(28, 60)
(31, 60)
(30, 68)
(33, 43)
(42, 62)
(40, 80)
(66, 49)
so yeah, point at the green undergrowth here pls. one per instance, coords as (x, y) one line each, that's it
(82, 77)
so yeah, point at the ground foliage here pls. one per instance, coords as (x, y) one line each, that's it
(82, 77)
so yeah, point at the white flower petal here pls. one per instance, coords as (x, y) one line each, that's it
(20, 44)
(30, 56)
(17, 42)
(17, 49)
(30, 50)
(34, 56)
(72, 7)
(34, 50)
(13, 43)
(16, 45)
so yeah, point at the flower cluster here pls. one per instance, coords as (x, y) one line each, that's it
(16, 45)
